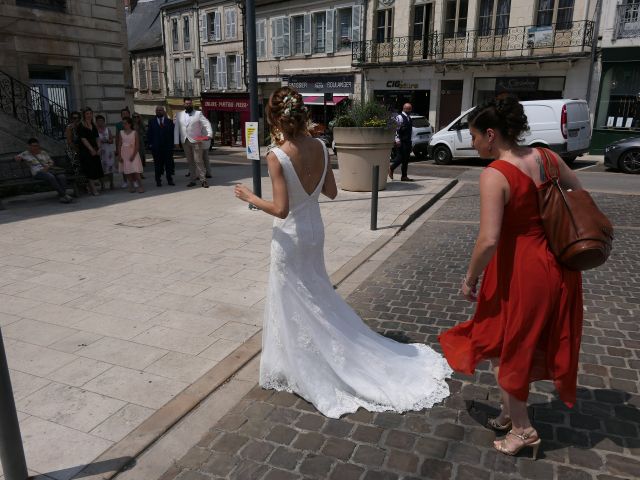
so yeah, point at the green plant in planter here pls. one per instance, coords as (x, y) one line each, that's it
(365, 114)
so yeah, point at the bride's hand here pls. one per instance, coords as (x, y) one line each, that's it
(242, 192)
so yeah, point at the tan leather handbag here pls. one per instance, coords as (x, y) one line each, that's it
(579, 234)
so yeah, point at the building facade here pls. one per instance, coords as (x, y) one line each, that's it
(146, 51)
(445, 56)
(307, 44)
(183, 63)
(225, 100)
(71, 54)
(617, 114)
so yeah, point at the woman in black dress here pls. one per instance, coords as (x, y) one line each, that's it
(89, 151)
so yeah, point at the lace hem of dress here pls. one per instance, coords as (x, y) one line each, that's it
(346, 403)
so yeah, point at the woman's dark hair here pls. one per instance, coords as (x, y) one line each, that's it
(99, 117)
(75, 113)
(128, 120)
(287, 114)
(32, 140)
(504, 114)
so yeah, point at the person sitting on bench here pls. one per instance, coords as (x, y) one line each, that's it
(43, 168)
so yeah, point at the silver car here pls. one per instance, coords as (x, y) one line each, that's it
(623, 155)
(420, 136)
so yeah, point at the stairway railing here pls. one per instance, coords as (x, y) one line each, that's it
(26, 104)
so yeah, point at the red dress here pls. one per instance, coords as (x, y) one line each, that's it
(529, 312)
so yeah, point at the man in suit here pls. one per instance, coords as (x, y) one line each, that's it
(403, 143)
(160, 133)
(189, 125)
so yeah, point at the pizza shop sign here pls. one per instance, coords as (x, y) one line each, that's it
(226, 104)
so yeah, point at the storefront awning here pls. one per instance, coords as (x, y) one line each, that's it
(319, 99)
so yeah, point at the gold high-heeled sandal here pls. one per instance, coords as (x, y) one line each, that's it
(535, 445)
(501, 427)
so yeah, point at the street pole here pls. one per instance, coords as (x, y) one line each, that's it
(14, 465)
(252, 64)
(594, 47)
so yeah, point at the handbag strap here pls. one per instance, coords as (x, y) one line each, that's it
(548, 159)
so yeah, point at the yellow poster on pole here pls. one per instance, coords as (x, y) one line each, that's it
(251, 137)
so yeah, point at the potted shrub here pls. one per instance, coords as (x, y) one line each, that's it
(364, 136)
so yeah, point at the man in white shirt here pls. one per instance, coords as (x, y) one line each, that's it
(189, 125)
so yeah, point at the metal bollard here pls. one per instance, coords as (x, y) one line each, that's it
(374, 197)
(11, 451)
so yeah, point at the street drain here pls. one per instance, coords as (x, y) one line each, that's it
(142, 222)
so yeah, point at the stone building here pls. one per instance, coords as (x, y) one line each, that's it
(307, 44)
(181, 37)
(67, 55)
(146, 50)
(225, 100)
(617, 114)
(447, 55)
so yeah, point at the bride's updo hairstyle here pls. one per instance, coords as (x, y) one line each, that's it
(504, 114)
(287, 115)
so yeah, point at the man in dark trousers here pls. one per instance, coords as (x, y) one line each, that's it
(403, 143)
(160, 138)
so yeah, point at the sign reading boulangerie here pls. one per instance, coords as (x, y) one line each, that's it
(322, 83)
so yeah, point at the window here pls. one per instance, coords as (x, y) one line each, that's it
(56, 5)
(564, 20)
(177, 75)
(186, 38)
(261, 38)
(345, 28)
(213, 26)
(231, 72)
(174, 33)
(188, 86)
(455, 24)
(234, 71)
(421, 21)
(545, 13)
(213, 72)
(319, 32)
(142, 76)
(230, 23)
(155, 76)
(561, 14)
(491, 10)
(384, 26)
(298, 35)
(280, 42)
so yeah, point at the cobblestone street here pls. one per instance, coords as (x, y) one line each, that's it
(413, 297)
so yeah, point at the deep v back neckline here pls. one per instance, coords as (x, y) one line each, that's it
(325, 160)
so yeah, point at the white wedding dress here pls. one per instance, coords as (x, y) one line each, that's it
(315, 345)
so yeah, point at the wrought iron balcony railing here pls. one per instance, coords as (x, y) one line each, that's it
(628, 21)
(479, 45)
(26, 104)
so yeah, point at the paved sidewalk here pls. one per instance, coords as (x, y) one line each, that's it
(413, 296)
(113, 305)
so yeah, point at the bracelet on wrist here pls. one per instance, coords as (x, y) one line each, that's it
(470, 284)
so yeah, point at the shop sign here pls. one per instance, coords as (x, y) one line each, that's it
(226, 104)
(402, 85)
(322, 83)
(517, 84)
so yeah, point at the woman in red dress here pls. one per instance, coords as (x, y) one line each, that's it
(528, 320)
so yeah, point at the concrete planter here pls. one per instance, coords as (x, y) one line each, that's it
(359, 149)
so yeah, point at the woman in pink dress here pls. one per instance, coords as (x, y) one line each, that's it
(130, 162)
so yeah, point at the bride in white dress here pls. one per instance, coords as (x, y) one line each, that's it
(313, 343)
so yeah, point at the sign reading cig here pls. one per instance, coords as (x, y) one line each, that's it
(322, 83)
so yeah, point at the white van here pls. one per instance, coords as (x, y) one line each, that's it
(564, 126)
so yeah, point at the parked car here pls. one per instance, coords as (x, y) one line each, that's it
(564, 126)
(420, 136)
(623, 155)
